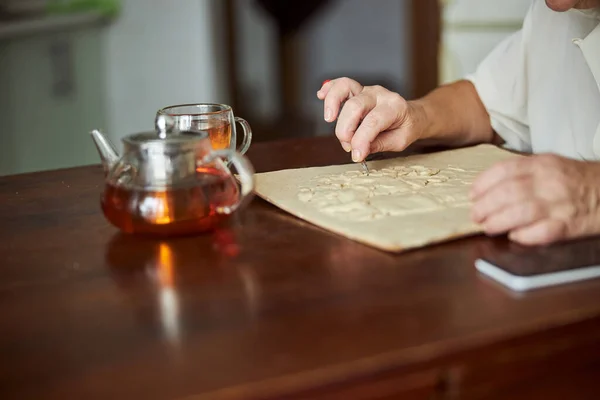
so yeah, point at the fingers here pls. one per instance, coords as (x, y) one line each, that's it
(396, 140)
(378, 120)
(351, 116)
(513, 217)
(363, 114)
(501, 196)
(336, 92)
(512, 168)
(322, 93)
(504, 198)
(538, 200)
(558, 223)
(543, 232)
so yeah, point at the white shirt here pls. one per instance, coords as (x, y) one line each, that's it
(541, 86)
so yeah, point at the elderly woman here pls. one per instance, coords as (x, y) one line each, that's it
(538, 91)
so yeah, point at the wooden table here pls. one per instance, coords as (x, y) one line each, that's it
(271, 308)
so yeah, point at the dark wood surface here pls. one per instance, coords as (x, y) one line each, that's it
(270, 307)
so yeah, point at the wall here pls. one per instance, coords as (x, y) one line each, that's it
(157, 53)
(43, 127)
(363, 39)
(366, 40)
(160, 53)
(257, 59)
(472, 28)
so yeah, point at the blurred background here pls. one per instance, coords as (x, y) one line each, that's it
(69, 66)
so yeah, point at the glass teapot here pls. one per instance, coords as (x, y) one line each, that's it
(171, 183)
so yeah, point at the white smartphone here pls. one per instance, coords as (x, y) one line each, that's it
(525, 268)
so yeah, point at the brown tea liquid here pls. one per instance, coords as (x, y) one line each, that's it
(220, 136)
(218, 131)
(176, 211)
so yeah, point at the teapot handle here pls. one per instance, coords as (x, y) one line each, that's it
(245, 172)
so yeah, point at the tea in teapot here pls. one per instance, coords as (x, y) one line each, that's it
(171, 183)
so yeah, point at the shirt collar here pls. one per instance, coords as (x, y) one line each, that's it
(590, 47)
(590, 12)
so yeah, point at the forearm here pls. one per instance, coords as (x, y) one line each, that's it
(454, 115)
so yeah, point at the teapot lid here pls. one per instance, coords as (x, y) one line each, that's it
(165, 135)
(167, 156)
(175, 139)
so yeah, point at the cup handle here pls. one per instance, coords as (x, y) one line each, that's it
(247, 135)
(245, 172)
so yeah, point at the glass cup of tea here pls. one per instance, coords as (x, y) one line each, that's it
(217, 120)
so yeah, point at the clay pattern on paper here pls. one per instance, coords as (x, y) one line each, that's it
(388, 192)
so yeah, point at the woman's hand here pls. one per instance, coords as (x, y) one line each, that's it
(370, 119)
(538, 199)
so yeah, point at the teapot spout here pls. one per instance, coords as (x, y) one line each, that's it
(107, 151)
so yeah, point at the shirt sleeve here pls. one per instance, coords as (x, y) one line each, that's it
(501, 82)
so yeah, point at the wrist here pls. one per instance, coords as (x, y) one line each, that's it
(421, 120)
(593, 173)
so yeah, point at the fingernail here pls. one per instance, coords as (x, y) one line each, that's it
(356, 155)
(347, 147)
(328, 114)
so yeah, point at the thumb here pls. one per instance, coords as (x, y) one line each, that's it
(394, 140)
